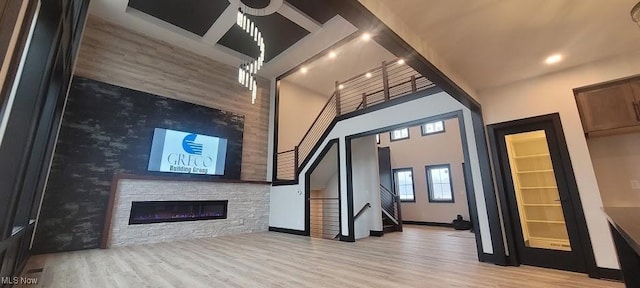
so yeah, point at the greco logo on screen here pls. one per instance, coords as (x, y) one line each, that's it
(184, 152)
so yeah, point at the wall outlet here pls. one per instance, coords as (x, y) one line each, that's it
(635, 184)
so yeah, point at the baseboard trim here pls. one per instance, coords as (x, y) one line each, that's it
(607, 273)
(347, 238)
(376, 233)
(488, 258)
(435, 224)
(288, 231)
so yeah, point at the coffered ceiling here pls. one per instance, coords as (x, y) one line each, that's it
(301, 28)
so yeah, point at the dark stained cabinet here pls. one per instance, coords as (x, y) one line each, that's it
(610, 108)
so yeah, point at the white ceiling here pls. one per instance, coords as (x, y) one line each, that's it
(320, 38)
(353, 58)
(495, 42)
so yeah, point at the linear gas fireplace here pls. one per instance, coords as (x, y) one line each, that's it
(174, 211)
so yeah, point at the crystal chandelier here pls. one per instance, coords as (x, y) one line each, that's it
(248, 69)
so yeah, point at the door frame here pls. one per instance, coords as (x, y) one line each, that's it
(467, 174)
(572, 186)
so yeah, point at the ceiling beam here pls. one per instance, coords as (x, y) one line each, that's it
(299, 18)
(220, 27)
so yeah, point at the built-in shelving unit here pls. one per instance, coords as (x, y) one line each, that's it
(541, 215)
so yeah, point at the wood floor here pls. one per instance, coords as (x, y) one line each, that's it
(418, 257)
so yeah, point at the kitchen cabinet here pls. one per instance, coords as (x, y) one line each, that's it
(610, 108)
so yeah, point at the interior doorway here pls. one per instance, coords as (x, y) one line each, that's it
(420, 163)
(540, 203)
(323, 195)
(426, 172)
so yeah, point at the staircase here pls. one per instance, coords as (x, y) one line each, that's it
(389, 81)
(391, 211)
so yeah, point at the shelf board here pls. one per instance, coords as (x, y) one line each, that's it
(540, 187)
(549, 239)
(545, 221)
(531, 156)
(534, 171)
(529, 139)
(542, 205)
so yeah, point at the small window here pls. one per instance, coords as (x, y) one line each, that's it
(432, 128)
(377, 138)
(404, 184)
(399, 134)
(439, 184)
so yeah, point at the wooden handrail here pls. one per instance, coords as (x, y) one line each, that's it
(368, 205)
(288, 151)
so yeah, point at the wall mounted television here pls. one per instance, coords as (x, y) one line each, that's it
(187, 153)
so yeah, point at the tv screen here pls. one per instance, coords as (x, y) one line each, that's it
(183, 152)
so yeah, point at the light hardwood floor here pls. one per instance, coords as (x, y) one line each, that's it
(418, 257)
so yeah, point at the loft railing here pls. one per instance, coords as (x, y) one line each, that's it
(381, 84)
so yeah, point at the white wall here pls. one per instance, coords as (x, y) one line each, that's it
(287, 205)
(366, 181)
(331, 189)
(297, 109)
(616, 161)
(553, 93)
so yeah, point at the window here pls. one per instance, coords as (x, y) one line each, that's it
(377, 138)
(439, 184)
(432, 128)
(404, 184)
(399, 134)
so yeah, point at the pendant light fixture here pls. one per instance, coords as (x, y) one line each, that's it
(248, 69)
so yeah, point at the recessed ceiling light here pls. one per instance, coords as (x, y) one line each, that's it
(368, 75)
(553, 59)
(340, 86)
(366, 36)
(332, 54)
(401, 61)
(304, 70)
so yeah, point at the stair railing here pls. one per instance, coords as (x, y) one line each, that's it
(395, 216)
(389, 81)
(364, 208)
(325, 216)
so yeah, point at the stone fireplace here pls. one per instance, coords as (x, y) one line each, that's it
(151, 210)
